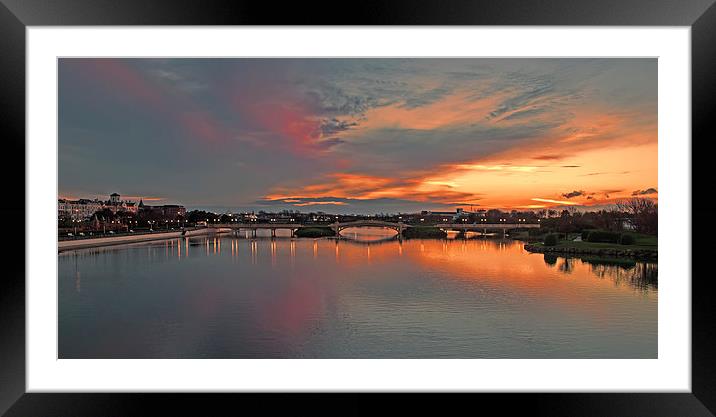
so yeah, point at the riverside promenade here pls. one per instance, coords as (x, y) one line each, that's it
(66, 245)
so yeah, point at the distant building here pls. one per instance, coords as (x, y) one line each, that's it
(84, 209)
(171, 211)
(116, 204)
(626, 224)
(131, 207)
(250, 217)
(78, 209)
(451, 215)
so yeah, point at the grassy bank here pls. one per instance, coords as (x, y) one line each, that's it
(644, 247)
(597, 245)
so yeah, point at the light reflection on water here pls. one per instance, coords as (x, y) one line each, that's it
(231, 297)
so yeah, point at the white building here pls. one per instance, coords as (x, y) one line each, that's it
(78, 209)
(84, 208)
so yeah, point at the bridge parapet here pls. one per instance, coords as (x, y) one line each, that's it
(480, 226)
(398, 227)
(260, 225)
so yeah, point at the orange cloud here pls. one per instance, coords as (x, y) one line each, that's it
(562, 202)
(318, 203)
(368, 187)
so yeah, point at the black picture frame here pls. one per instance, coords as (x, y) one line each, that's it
(15, 15)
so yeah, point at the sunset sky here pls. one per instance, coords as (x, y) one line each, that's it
(359, 135)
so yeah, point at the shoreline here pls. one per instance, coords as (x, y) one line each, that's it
(68, 245)
(640, 254)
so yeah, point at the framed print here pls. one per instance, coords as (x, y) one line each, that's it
(455, 199)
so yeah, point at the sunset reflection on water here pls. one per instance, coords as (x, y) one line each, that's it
(232, 297)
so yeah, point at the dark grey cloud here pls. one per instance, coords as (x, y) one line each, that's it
(573, 194)
(333, 126)
(335, 101)
(645, 192)
(542, 88)
(384, 151)
(548, 157)
(427, 97)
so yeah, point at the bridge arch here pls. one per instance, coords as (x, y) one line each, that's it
(398, 227)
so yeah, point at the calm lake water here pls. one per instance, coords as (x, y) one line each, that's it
(231, 297)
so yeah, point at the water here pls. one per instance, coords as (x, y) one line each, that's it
(231, 297)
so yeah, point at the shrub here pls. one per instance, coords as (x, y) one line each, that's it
(315, 232)
(627, 239)
(550, 240)
(585, 235)
(424, 232)
(603, 236)
(536, 232)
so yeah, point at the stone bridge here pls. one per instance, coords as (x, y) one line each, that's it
(336, 226)
(398, 227)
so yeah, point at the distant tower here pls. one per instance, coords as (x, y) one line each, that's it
(141, 203)
(114, 198)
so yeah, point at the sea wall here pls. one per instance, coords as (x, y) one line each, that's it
(120, 240)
